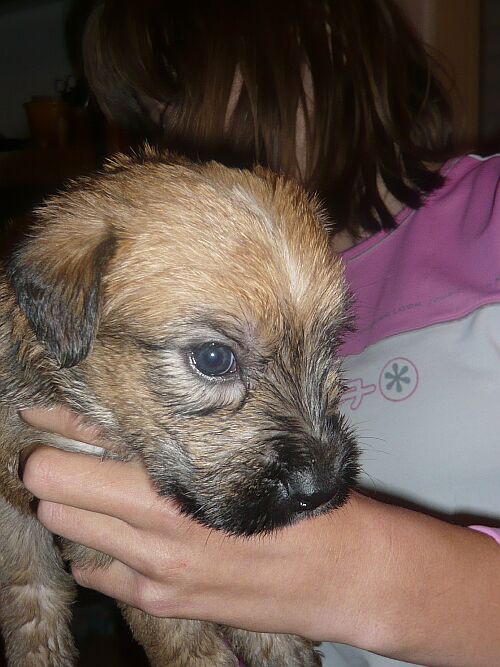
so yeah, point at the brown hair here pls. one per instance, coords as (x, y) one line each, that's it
(377, 110)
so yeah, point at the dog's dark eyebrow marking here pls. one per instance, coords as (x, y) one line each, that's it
(223, 328)
(199, 329)
(150, 345)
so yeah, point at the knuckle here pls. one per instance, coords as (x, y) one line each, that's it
(163, 566)
(171, 571)
(155, 599)
(156, 560)
(168, 512)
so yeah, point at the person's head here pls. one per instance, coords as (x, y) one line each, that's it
(337, 93)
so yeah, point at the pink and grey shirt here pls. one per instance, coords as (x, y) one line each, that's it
(423, 368)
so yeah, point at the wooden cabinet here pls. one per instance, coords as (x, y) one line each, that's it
(452, 29)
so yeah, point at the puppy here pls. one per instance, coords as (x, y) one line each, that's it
(192, 313)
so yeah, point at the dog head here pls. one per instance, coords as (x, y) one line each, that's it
(194, 312)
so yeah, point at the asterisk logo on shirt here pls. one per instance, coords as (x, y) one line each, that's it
(397, 377)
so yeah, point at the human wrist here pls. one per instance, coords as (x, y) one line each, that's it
(350, 548)
(448, 573)
(365, 553)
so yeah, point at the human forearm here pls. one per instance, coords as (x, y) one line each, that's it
(431, 592)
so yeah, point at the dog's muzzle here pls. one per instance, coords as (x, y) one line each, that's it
(297, 477)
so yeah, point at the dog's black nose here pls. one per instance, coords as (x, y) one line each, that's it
(306, 492)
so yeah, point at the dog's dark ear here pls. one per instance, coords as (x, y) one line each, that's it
(56, 277)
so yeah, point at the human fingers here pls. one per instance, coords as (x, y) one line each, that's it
(152, 555)
(103, 533)
(114, 488)
(123, 583)
(64, 422)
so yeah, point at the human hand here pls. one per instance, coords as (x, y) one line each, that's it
(368, 574)
(169, 565)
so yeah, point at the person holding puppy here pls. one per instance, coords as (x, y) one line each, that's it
(340, 96)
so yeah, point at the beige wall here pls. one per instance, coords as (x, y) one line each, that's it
(452, 27)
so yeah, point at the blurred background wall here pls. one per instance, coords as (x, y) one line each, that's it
(33, 55)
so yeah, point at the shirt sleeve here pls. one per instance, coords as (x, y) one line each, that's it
(492, 532)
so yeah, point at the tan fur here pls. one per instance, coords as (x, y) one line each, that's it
(128, 273)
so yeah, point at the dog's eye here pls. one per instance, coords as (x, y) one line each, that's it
(214, 360)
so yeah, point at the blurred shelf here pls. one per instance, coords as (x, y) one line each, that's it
(45, 167)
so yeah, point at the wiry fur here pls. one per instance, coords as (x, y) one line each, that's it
(125, 274)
